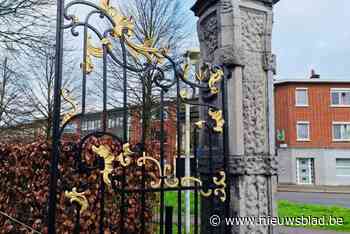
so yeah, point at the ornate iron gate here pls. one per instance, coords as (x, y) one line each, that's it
(115, 164)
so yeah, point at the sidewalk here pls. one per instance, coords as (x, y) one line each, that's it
(313, 188)
(290, 230)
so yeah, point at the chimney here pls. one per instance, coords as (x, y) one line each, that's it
(314, 75)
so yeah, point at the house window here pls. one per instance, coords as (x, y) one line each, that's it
(114, 122)
(301, 97)
(97, 124)
(84, 125)
(91, 124)
(341, 131)
(303, 131)
(340, 97)
(156, 135)
(343, 166)
(156, 113)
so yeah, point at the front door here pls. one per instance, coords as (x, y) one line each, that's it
(305, 170)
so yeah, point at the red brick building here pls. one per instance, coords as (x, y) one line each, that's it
(93, 122)
(313, 130)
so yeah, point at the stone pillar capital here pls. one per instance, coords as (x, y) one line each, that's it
(202, 5)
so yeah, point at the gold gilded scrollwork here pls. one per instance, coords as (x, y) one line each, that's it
(105, 41)
(79, 198)
(221, 182)
(142, 162)
(105, 153)
(150, 53)
(124, 157)
(89, 67)
(219, 121)
(200, 124)
(75, 19)
(200, 76)
(183, 94)
(125, 24)
(91, 51)
(170, 180)
(186, 71)
(215, 77)
(65, 95)
(121, 22)
(186, 180)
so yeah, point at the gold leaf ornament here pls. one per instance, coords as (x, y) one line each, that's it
(124, 157)
(200, 124)
(91, 51)
(79, 198)
(185, 181)
(170, 179)
(186, 71)
(142, 161)
(219, 121)
(105, 153)
(121, 22)
(125, 26)
(150, 53)
(200, 76)
(215, 77)
(105, 41)
(183, 94)
(66, 96)
(220, 182)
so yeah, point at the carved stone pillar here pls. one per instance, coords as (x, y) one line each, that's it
(237, 35)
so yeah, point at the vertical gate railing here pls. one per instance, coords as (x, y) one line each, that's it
(167, 76)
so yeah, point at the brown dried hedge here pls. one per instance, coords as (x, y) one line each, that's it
(24, 176)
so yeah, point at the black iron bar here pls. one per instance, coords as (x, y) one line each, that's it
(104, 126)
(196, 186)
(169, 220)
(143, 142)
(77, 220)
(125, 131)
(56, 120)
(161, 223)
(165, 189)
(211, 169)
(83, 96)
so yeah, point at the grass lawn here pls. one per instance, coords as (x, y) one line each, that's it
(286, 209)
(290, 209)
(171, 200)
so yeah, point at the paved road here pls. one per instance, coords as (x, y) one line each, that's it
(316, 198)
(288, 230)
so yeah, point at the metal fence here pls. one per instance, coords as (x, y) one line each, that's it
(169, 78)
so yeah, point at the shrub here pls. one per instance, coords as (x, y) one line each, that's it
(24, 188)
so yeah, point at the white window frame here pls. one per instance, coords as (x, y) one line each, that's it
(339, 123)
(311, 170)
(338, 90)
(336, 167)
(308, 130)
(296, 97)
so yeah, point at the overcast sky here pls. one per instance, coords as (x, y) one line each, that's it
(312, 34)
